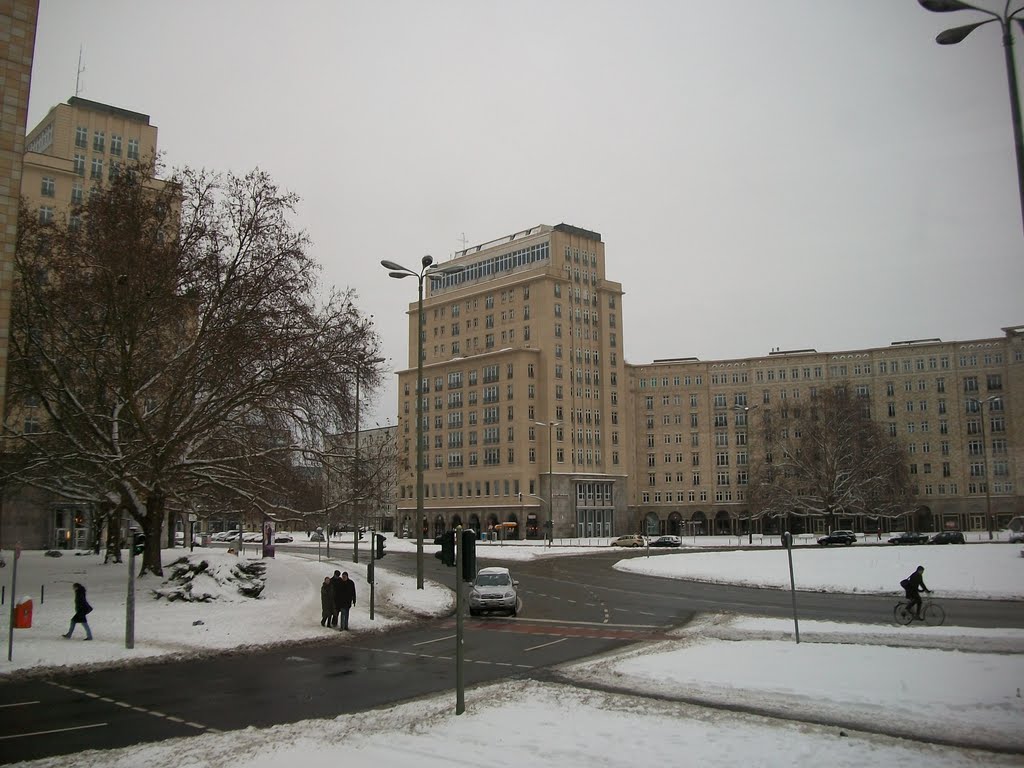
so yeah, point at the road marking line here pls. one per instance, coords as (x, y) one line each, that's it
(428, 642)
(125, 705)
(19, 704)
(545, 645)
(55, 730)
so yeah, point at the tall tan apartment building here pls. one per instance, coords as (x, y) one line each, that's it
(76, 147)
(956, 407)
(522, 376)
(17, 43)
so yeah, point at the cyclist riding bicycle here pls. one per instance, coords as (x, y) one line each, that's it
(913, 585)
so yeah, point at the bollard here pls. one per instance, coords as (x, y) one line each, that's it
(42, 594)
(3, 594)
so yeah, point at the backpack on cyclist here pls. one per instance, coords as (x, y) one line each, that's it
(905, 583)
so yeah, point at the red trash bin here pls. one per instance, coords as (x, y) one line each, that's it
(23, 613)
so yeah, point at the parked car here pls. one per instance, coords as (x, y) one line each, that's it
(667, 541)
(493, 589)
(948, 537)
(630, 540)
(1016, 537)
(838, 537)
(283, 538)
(909, 537)
(252, 537)
(225, 536)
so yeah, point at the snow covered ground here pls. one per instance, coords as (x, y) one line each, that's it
(722, 691)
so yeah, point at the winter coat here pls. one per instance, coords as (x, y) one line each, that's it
(914, 583)
(345, 594)
(327, 599)
(82, 607)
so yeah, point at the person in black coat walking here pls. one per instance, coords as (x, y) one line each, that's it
(344, 598)
(82, 609)
(335, 602)
(326, 601)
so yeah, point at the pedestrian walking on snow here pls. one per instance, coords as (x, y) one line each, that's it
(82, 609)
(335, 603)
(326, 601)
(344, 599)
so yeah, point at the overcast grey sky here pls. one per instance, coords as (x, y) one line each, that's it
(799, 173)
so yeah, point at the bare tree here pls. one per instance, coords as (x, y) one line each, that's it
(173, 335)
(826, 456)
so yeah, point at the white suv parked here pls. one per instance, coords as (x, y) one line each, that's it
(493, 589)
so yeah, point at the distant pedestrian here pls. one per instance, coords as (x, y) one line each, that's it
(326, 601)
(335, 602)
(82, 609)
(344, 598)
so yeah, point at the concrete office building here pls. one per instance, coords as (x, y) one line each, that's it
(522, 362)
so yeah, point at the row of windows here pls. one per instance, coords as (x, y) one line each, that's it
(492, 266)
(99, 142)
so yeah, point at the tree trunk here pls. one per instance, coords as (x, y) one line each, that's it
(152, 526)
(113, 539)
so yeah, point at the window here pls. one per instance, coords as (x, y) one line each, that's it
(49, 187)
(79, 164)
(133, 149)
(81, 137)
(96, 172)
(98, 142)
(115, 144)
(77, 195)
(45, 215)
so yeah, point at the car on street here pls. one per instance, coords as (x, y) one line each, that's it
(667, 541)
(948, 537)
(494, 589)
(910, 537)
(1016, 537)
(838, 537)
(283, 538)
(630, 540)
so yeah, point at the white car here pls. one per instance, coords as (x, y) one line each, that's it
(253, 537)
(493, 589)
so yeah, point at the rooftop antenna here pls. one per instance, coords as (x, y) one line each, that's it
(463, 241)
(78, 74)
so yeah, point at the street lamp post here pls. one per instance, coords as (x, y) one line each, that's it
(956, 34)
(427, 269)
(358, 484)
(746, 409)
(551, 488)
(984, 454)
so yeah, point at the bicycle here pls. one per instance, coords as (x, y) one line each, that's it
(931, 612)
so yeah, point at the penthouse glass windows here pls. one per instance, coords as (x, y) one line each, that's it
(495, 265)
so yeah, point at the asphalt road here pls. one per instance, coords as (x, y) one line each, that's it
(571, 608)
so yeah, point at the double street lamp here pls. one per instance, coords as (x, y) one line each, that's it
(984, 454)
(427, 270)
(551, 488)
(956, 34)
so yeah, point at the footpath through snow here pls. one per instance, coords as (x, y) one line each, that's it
(721, 691)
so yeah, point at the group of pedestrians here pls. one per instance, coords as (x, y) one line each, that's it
(337, 596)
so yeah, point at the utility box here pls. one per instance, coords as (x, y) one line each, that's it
(23, 613)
